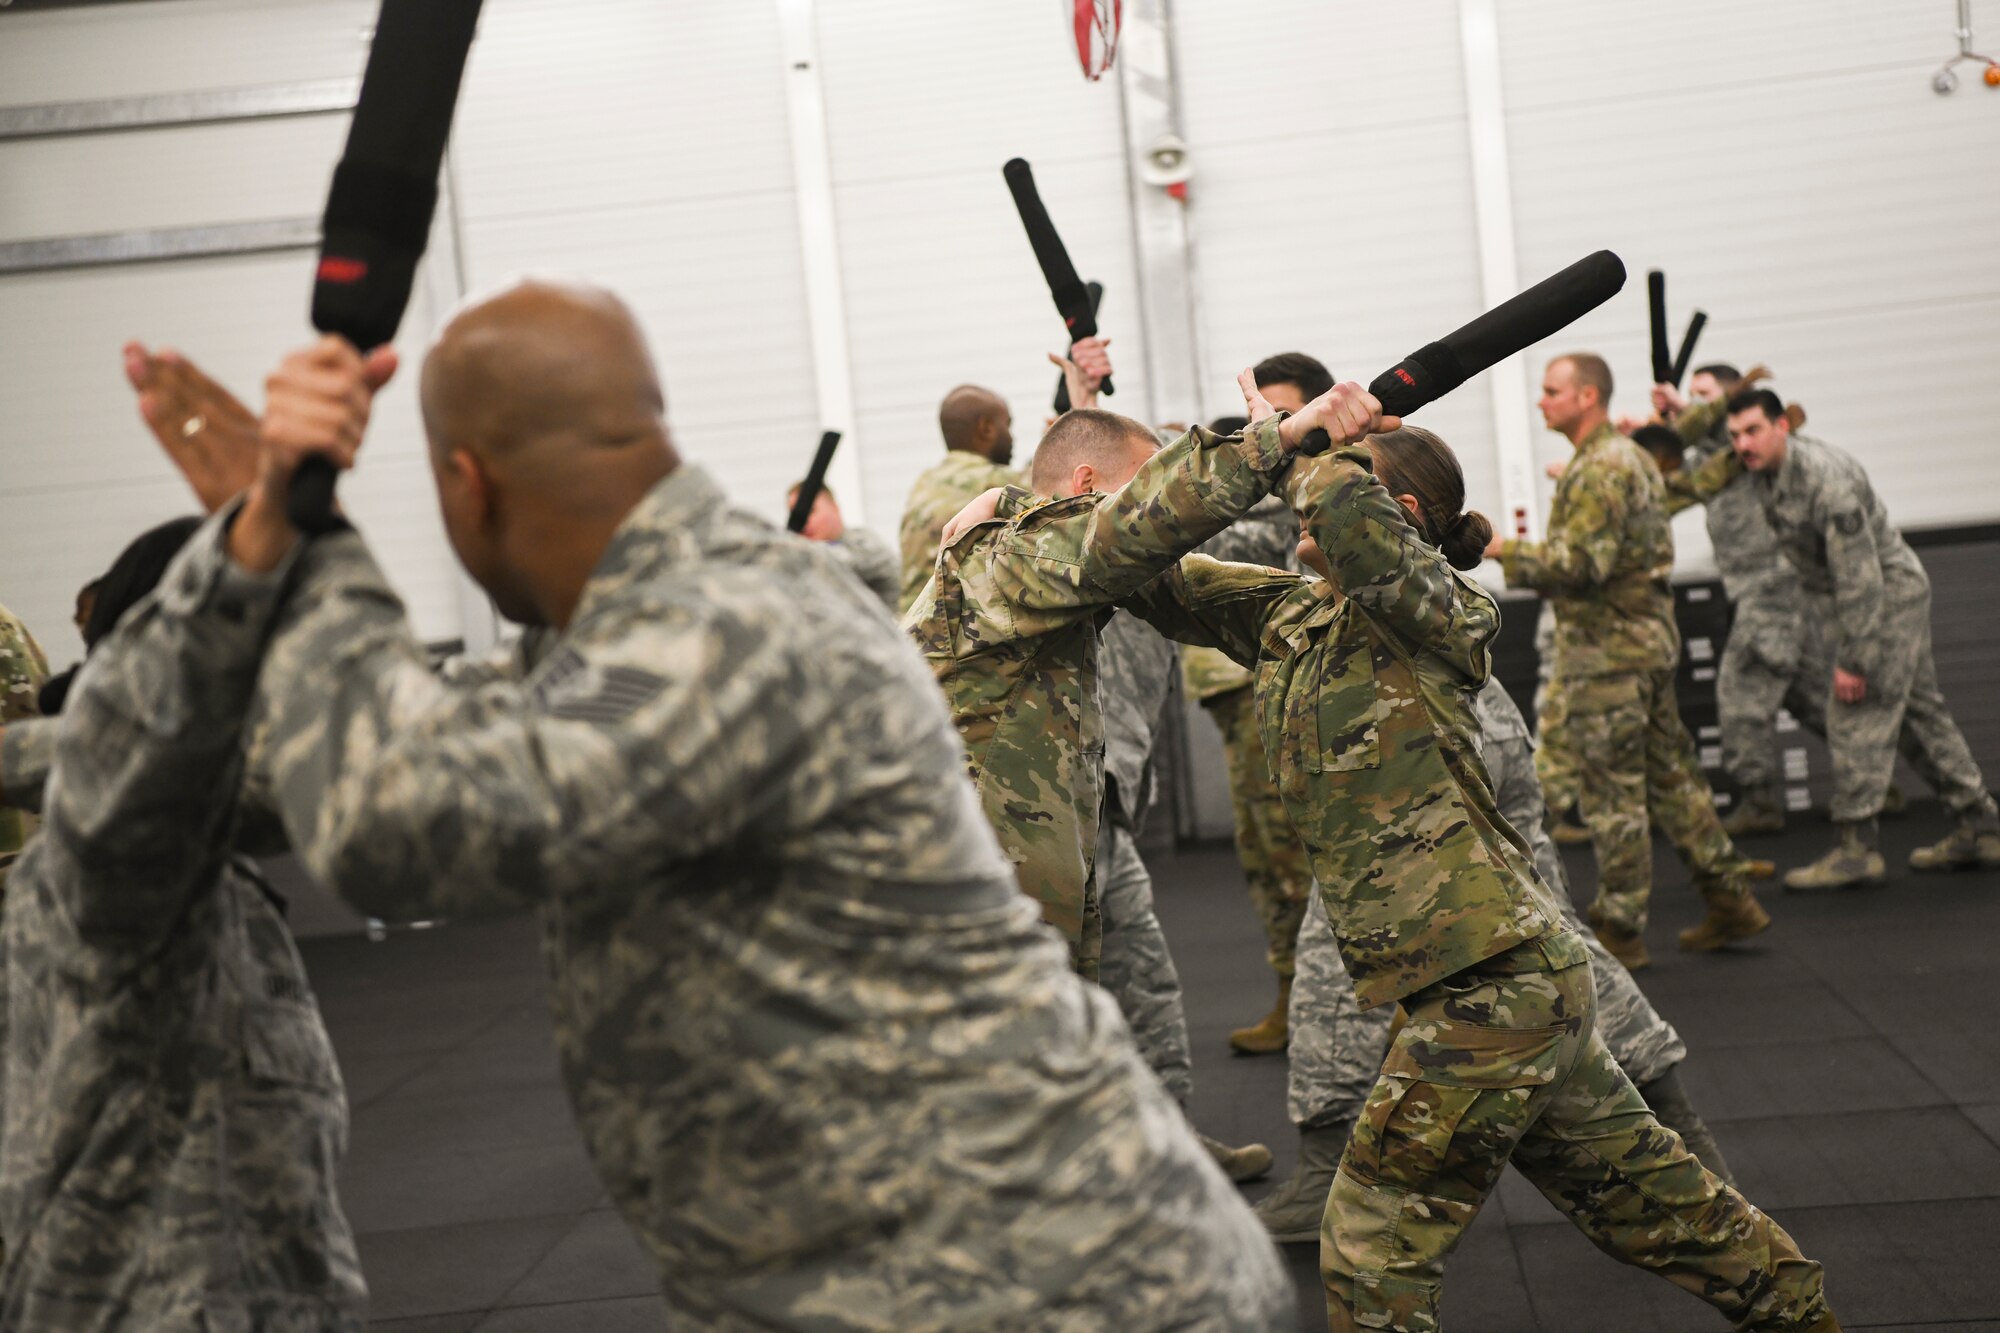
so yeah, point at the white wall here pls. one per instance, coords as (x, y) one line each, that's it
(1786, 163)
(1790, 169)
(79, 476)
(925, 100)
(1332, 193)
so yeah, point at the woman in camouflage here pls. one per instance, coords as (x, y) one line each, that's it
(1365, 683)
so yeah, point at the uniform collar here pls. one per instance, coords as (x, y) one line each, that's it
(1598, 437)
(1787, 477)
(675, 523)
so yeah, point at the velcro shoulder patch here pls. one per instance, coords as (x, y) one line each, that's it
(571, 689)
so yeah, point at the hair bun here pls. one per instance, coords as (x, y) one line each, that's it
(1465, 540)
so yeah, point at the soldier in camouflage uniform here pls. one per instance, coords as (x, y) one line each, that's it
(174, 1115)
(871, 558)
(1555, 756)
(1864, 583)
(979, 444)
(1009, 623)
(1605, 565)
(1761, 663)
(23, 671)
(1274, 861)
(1338, 1047)
(1364, 683)
(1136, 671)
(826, 1061)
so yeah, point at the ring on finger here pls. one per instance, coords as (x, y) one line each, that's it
(192, 427)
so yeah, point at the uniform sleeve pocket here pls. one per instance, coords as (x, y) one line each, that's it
(284, 1041)
(1345, 725)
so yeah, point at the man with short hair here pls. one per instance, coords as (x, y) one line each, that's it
(978, 432)
(1768, 635)
(866, 554)
(1009, 622)
(829, 1066)
(1605, 563)
(1275, 869)
(1867, 587)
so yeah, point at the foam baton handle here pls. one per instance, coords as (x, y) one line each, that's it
(1062, 404)
(1434, 370)
(1072, 298)
(814, 483)
(378, 212)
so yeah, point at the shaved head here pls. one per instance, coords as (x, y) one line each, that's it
(1090, 450)
(977, 421)
(547, 426)
(541, 368)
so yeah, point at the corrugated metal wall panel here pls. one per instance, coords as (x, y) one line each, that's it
(79, 474)
(924, 103)
(1794, 174)
(1332, 196)
(645, 146)
(180, 46)
(190, 176)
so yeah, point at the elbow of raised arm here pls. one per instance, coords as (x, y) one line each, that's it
(363, 854)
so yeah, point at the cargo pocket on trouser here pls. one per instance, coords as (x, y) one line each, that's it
(1453, 1100)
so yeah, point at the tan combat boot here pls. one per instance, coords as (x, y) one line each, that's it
(1629, 949)
(1853, 860)
(1732, 917)
(1965, 848)
(1271, 1033)
(1249, 1162)
(1758, 812)
(1292, 1211)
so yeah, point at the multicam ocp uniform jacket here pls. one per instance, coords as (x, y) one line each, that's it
(1365, 698)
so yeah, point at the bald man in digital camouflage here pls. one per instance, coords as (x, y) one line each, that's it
(828, 1063)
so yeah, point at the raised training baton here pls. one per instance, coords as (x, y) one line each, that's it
(1072, 297)
(1432, 371)
(1656, 310)
(378, 213)
(814, 483)
(1686, 354)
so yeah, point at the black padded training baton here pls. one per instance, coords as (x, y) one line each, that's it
(1073, 301)
(1669, 367)
(378, 213)
(1434, 370)
(815, 482)
(1656, 311)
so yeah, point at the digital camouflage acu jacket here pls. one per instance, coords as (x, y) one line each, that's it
(826, 1061)
(174, 1115)
(1835, 532)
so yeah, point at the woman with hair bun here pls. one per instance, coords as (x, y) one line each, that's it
(1366, 676)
